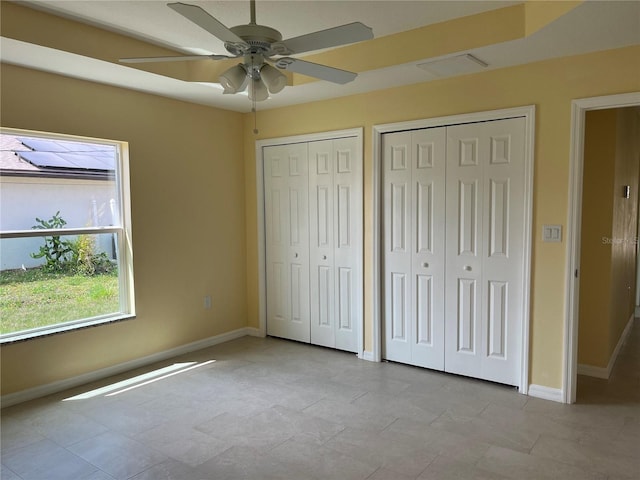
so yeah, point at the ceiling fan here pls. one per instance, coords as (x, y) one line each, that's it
(257, 44)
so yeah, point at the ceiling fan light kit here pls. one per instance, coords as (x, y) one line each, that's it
(273, 78)
(258, 91)
(234, 80)
(256, 44)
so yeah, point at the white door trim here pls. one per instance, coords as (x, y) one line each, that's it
(528, 112)
(579, 108)
(262, 275)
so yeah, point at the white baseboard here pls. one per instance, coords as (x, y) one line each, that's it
(605, 372)
(546, 393)
(591, 371)
(59, 386)
(367, 356)
(255, 332)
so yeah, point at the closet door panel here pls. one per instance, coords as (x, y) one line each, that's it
(397, 228)
(428, 247)
(414, 168)
(287, 241)
(347, 242)
(503, 263)
(466, 155)
(321, 257)
(485, 188)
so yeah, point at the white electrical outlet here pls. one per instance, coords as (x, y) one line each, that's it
(207, 302)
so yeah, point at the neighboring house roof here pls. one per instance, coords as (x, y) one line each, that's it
(40, 157)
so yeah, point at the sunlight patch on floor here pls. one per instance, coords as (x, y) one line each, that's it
(140, 380)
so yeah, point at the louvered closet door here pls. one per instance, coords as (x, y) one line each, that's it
(287, 241)
(485, 210)
(414, 246)
(335, 207)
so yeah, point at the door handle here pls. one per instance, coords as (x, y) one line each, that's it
(467, 268)
(295, 255)
(324, 257)
(425, 265)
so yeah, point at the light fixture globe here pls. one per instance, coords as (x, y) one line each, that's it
(273, 78)
(233, 80)
(257, 90)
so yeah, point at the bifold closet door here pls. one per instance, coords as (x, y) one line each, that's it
(485, 240)
(414, 246)
(287, 241)
(313, 219)
(453, 248)
(335, 237)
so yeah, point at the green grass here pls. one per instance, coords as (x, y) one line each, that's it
(33, 298)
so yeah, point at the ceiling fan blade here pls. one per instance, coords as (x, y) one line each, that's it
(332, 37)
(205, 21)
(316, 70)
(179, 58)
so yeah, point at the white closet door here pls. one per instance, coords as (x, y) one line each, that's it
(313, 219)
(287, 241)
(347, 228)
(397, 250)
(485, 188)
(414, 183)
(321, 237)
(335, 207)
(428, 246)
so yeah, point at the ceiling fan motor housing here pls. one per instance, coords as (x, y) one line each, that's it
(258, 39)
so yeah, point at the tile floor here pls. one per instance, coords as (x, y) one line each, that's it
(272, 409)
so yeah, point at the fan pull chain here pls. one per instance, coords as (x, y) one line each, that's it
(252, 85)
(255, 118)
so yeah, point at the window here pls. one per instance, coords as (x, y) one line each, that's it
(65, 233)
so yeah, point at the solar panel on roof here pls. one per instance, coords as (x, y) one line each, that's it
(66, 160)
(42, 145)
(90, 147)
(46, 159)
(47, 145)
(88, 161)
(69, 155)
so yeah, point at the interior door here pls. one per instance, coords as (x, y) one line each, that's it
(347, 251)
(335, 207)
(414, 246)
(313, 222)
(321, 229)
(485, 229)
(287, 241)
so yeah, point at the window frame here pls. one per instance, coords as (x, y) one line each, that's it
(122, 233)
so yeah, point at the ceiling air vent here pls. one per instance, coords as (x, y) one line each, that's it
(458, 65)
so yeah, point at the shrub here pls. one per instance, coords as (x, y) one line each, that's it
(85, 259)
(56, 251)
(69, 256)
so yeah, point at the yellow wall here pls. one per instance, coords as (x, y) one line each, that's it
(550, 85)
(625, 223)
(187, 196)
(595, 252)
(609, 232)
(194, 197)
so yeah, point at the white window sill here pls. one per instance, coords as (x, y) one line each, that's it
(10, 338)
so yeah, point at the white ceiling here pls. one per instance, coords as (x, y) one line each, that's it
(594, 25)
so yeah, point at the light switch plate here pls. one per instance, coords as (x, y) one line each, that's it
(552, 233)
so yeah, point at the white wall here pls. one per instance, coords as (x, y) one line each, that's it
(80, 202)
